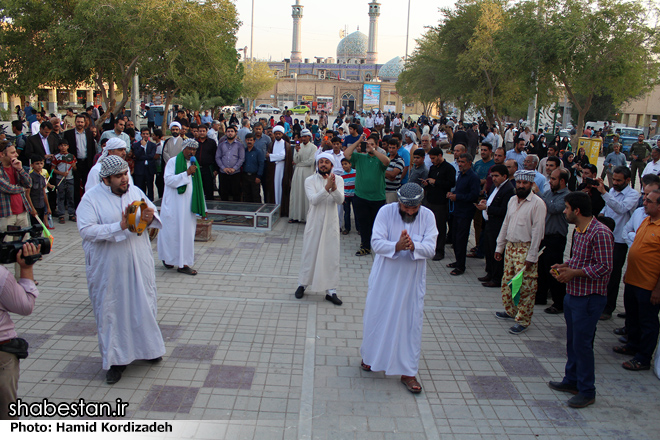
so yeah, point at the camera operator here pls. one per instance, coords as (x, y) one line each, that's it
(14, 180)
(16, 297)
(589, 185)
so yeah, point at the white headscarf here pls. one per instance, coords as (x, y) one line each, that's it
(112, 144)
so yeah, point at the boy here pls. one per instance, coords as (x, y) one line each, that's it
(418, 172)
(64, 163)
(36, 196)
(349, 191)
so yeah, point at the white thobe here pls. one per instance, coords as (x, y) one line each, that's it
(319, 268)
(94, 177)
(120, 277)
(176, 241)
(394, 310)
(278, 155)
(304, 160)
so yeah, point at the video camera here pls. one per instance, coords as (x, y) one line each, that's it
(9, 249)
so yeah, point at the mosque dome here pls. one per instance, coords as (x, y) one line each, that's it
(353, 47)
(390, 70)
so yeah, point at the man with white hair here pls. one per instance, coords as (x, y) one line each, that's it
(213, 131)
(303, 158)
(319, 267)
(125, 306)
(114, 147)
(173, 145)
(183, 200)
(403, 238)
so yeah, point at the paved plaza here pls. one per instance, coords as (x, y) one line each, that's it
(241, 349)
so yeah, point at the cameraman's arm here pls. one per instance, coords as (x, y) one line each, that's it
(19, 297)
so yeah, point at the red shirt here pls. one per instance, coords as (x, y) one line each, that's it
(16, 201)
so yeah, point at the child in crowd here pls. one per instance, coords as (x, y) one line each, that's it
(36, 195)
(64, 163)
(418, 172)
(349, 193)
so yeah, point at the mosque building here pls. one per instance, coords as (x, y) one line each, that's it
(353, 79)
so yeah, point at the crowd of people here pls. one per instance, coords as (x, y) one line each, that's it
(408, 201)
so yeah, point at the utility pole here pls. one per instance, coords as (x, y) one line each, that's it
(135, 97)
(407, 30)
(252, 32)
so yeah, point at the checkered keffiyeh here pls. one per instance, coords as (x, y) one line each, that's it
(525, 175)
(190, 143)
(113, 165)
(410, 194)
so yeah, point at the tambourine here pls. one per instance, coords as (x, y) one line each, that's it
(133, 209)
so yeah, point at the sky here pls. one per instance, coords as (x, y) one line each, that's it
(323, 20)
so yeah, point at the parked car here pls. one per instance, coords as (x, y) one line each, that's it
(267, 108)
(300, 110)
(653, 141)
(627, 137)
(232, 108)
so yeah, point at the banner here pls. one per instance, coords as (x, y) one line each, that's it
(371, 97)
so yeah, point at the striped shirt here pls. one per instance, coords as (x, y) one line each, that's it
(395, 164)
(349, 183)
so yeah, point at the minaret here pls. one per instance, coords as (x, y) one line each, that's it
(296, 13)
(372, 50)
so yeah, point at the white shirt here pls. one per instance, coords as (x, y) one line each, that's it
(652, 168)
(44, 142)
(35, 127)
(630, 230)
(81, 145)
(490, 200)
(620, 206)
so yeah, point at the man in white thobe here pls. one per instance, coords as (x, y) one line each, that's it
(120, 271)
(403, 237)
(303, 158)
(176, 241)
(113, 147)
(277, 156)
(319, 268)
(173, 145)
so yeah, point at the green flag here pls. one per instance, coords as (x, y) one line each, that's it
(514, 285)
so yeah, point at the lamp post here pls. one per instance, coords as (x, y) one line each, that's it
(295, 97)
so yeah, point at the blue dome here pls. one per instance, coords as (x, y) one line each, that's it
(353, 46)
(390, 70)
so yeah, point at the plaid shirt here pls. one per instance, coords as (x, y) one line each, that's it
(7, 189)
(593, 253)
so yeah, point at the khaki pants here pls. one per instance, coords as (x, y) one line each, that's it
(514, 261)
(21, 220)
(9, 373)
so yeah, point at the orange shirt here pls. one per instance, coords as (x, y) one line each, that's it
(643, 262)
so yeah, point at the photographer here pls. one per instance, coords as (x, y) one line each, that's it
(16, 297)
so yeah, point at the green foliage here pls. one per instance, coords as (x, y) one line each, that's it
(257, 79)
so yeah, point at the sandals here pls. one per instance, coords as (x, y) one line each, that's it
(167, 266)
(622, 349)
(635, 365)
(457, 272)
(187, 270)
(62, 221)
(364, 366)
(411, 383)
(452, 265)
(344, 232)
(293, 221)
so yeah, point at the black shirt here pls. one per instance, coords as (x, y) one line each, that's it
(445, 179)
(205, 154)
(597, 202)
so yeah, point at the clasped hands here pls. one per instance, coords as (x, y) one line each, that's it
(405, 243)
(331, 185)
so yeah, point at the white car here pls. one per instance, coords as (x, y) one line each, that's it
(267, 108)
(653, 141)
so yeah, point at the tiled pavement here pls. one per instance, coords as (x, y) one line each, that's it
(241, 349)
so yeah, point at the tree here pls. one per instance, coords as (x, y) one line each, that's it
(258, 78)
(591, 49)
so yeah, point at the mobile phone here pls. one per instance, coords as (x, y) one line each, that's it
(590, 181)
(363, 147)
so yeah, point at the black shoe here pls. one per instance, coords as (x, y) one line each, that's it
(155, 360)
(623, 339)
(580, 401)
(485, 279)
(621, 315)
(300, 291)
(438, 257)
(620, 331)
(114, 374)
(564, 387)
(334, 299)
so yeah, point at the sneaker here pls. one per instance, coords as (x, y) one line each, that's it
(621, 331)
(564, 387)
(503, 315)
(517, 329)
(580, 401)
(334, 299)
(300, 291)
(362, 252)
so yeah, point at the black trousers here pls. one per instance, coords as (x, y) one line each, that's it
(441, 212)
(160, 184)
(494, 268)
(461, 228)
(207, 182)
(365, 212)
(641, 322)
(149, 183)
(230, 185)
(251, 189)
(79, 181)
(140, 181)
(620, 252)
(555, 244)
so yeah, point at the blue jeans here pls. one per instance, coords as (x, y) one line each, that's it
(641, 322)
(65, 197)
(582, 314)
(348, 201)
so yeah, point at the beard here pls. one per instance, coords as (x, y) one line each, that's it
(407, 218)
(523, 193)
(324, 172)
